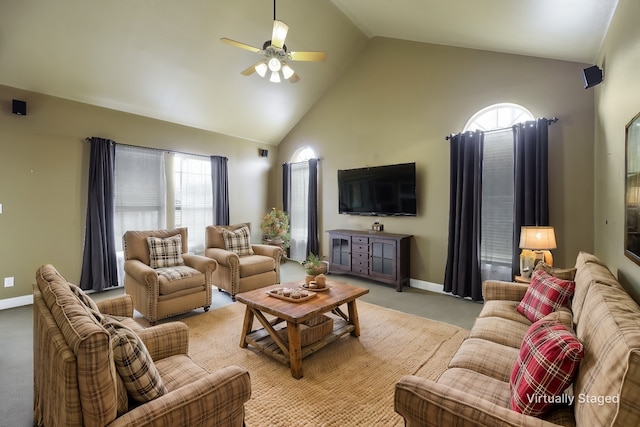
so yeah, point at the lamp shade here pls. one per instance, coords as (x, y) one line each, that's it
(537, 238)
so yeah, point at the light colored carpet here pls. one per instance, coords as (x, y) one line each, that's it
(350, 382)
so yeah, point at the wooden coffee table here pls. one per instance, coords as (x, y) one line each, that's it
(267, 340)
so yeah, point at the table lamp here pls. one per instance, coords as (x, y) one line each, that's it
(539, 240)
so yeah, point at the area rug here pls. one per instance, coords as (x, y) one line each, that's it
(350, 382)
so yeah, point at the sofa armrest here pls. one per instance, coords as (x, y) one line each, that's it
(422, 402)
(201, 263)
(271, 251)
(120, 306)
(217, 399)
(499, 290)
(223, 256)
(166, 339)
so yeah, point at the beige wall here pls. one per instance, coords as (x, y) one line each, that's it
(398, 100)
(43, 177)
(617, 102)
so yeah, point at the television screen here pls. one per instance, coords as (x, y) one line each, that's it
(378, 191)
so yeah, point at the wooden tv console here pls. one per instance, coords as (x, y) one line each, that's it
(376, 255)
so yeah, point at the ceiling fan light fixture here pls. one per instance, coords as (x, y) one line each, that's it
(261, 69)
(275, 77)
(274, 64)
(287, 71)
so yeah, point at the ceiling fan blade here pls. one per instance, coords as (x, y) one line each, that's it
(308, 56)
(249, 71)
(294, 78)
(280, 30)
(240, 45)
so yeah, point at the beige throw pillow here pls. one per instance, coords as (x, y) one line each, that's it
(560, 273)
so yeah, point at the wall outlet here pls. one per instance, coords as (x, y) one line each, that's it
(8, 282)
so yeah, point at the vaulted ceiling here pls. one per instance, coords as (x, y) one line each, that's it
(164, 59)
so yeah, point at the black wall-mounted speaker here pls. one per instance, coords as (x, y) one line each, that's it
(591, 76)
(264, 153)
(19, 107)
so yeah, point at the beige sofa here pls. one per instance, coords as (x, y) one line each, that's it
(76, 382)
(474, 390)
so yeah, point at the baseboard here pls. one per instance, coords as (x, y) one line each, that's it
(427, 286)
(16, 302)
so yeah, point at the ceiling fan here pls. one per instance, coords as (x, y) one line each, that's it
(276, 55)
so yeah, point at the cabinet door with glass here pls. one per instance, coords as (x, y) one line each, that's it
(382, 262)
(340, 253)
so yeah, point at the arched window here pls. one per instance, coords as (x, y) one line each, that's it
(498, 116)
(497, 216)
(303, 154)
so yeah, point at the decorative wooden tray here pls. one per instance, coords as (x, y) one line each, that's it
(305, 286)
(274, 293)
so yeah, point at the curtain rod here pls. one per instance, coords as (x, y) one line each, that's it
(88, 139)
(551, 121)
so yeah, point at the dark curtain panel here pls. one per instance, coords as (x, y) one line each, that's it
(286, 186)
(286, 193)
(462, 274)
(220, 188)
(99, 265)
(313, 246)
(531, 186)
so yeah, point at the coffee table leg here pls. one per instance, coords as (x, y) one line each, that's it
(246, 327)
(295, 350)
(353, 318)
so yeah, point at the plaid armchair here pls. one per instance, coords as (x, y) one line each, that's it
(77, 380)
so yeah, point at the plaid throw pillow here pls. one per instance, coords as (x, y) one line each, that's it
(165, 252)
(133, 362)
(545, 295)
(549, 358)
(238, 241)
(83, 297)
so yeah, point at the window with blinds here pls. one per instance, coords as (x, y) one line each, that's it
(497, 198)
(140, 190)
(496, 245)
(155, 189)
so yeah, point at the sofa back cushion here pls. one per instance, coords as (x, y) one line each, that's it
(607, 384)
(90, 344)
(136, 246)
(589, 270)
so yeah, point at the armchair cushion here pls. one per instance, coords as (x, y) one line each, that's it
(133, 362)
(238, 241)
(178, 278)
(165, 252)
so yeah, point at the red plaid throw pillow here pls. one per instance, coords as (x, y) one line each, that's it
(545, 295)
(548, 360)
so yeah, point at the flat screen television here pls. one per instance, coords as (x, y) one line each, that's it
(388, 190)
